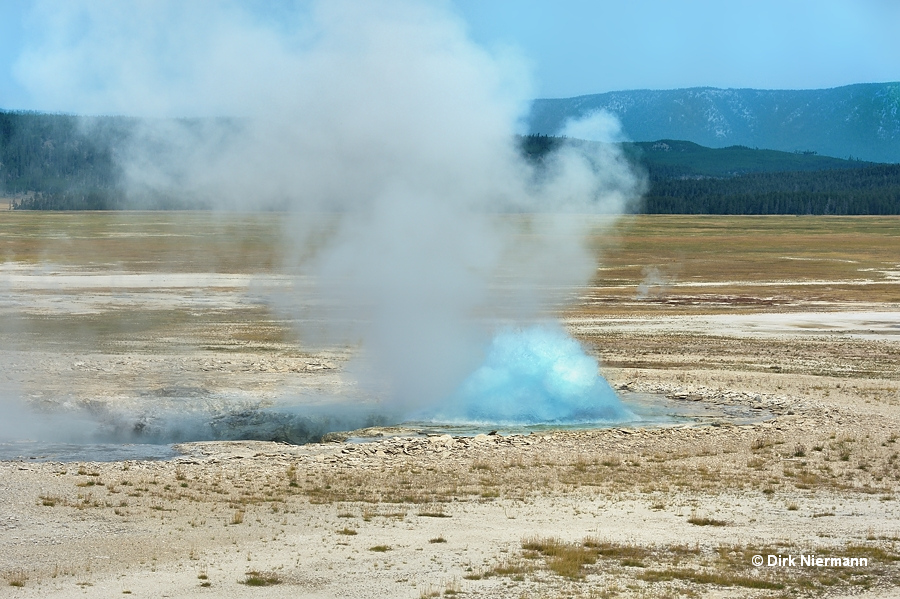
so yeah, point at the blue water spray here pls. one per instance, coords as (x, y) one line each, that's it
(538, 375)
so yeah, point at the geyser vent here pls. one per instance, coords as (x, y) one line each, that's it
(538, 375)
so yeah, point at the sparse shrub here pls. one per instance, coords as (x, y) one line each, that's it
(16, 578)
(436, 512)
(346, 531)
(380, 548)
(564, 559)
(50, 500)
(615, 550)
(256, 578)
(581, 463)
(705, 521)
(512, 568)
(237, 517)
(760, 443)
(718, 578)
(453, 588)
(439, 539)
(634, 563)
(611, 461)
(292, 476)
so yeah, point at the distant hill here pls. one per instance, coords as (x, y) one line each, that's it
(859, 121)
(668, 159)
(64, 162)
(676, 159)
(685, 178)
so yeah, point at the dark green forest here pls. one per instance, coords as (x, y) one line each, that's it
(65, 162)
(60, 162)
(685, 178)
(870, 190)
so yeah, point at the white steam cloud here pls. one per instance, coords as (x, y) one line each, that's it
(387, 134)
(599, 125)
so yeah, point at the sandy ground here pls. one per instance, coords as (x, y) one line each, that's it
(667, 512)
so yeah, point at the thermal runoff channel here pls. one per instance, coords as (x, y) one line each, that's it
(538, 375)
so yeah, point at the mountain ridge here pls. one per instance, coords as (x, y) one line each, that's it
(858, 121)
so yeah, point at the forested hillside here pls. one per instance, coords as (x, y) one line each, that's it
(63, 162)
(870, 190)
(60, 161)
(689, 179)
(66, 162)
(673, 159)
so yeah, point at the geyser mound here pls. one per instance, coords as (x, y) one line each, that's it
(538, 375)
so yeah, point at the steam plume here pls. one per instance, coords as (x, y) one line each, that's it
(385, 131)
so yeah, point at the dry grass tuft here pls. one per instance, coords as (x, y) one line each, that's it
(255, 578)
(436, 512)
(706, 521)
(724, 579)
(564, 559)
(16, 578)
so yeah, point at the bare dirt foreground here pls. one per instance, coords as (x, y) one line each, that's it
(666, 512)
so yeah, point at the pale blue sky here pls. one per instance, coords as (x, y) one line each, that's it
(577, 47)
(582, 47)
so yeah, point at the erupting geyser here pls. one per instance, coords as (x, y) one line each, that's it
(413, 218)
(537, 375)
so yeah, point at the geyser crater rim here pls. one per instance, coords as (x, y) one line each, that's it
(653, 411)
